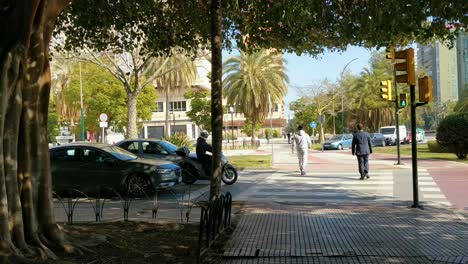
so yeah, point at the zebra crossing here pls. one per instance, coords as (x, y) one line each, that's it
(429, 191)
(343, 188)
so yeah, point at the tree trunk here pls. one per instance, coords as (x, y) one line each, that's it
(167, 131)
(216, 96)
(254, 130)
(26, 205)
(132, 131)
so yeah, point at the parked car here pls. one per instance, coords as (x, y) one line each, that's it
(151, 148)
(340, 141)
(90, 166)
(390, 134)
(377, 139)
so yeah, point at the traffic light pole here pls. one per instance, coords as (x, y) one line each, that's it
(414, 148)
(397, 120)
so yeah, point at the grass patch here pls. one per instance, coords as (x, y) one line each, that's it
(251, 161)
(423, 152)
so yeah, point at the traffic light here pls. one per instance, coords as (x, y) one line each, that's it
(407, 66)
(425, 89)
(390, 54)
(386, 90)
(403, 101)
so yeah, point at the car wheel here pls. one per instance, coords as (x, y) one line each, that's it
(340, 147)
(137, 185)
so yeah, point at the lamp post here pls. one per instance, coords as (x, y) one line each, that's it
(81, 108)
(342, 101)
(231, 110)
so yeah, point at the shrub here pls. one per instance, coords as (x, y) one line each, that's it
(435, 147)
(452, 134)
(276, 133)
(180, 139)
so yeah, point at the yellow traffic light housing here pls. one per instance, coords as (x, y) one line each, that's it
(425, 89)
(403, 100)
(390, 54)
(407, 66)
(386, 90)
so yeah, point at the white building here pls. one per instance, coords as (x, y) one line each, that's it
(178, 106)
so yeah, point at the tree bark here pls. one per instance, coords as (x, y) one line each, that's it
(132, 115)
(26, 205)
(216, 96)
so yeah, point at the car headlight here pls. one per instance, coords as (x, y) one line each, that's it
(166, 174)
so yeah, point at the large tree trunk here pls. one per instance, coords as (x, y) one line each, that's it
(132, 115)
(216, 95)
(26, 205)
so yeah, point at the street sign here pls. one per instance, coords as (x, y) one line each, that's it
(102, 124)
(103, 117)
(313, 124)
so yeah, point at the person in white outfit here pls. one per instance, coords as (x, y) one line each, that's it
(303, 143)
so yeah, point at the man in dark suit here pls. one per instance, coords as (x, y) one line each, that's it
(362, 148)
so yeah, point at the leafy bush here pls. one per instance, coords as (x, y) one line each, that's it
(435, 147)
(276, 133)
(452, 134)
(180, 139)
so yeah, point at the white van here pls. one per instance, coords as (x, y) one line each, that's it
(390, 135)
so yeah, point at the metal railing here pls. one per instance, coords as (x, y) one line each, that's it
(98, 199)
(215, 217)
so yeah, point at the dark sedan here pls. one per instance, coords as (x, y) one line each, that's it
(151, 148)
(90, 166)
(377, 139)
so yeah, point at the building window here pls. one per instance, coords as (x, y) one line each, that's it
(178, 106)
(159, 107)
(275, 107)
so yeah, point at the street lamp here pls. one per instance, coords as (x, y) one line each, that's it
(342, 102)
(231, 110)
(81, 108)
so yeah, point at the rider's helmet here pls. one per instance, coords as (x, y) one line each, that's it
(204, 134)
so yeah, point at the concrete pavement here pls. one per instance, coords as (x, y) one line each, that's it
(329, 216)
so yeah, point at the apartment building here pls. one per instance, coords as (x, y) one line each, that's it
(233, 122)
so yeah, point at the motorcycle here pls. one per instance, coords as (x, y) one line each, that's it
(192, 169)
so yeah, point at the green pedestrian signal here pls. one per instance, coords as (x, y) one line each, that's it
(403, 99)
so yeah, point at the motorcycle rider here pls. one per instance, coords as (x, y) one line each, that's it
(204, 151)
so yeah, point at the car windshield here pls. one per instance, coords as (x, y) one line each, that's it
(387, 131)
(337, 137)
(120, 153)
(168, 146)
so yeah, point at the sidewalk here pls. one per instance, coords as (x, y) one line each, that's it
(353, 232)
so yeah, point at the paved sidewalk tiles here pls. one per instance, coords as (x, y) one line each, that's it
(278, 233)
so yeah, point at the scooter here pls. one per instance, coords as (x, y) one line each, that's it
(192, 169)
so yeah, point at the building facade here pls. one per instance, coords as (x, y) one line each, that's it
(462, 61)
(180, 122)
(440, 63)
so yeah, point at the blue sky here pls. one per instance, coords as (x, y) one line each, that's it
(305, 70)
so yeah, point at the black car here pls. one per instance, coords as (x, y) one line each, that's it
(377, 139)
(151, 148)
(88, 167)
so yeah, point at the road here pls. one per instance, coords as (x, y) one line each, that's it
(332, 178)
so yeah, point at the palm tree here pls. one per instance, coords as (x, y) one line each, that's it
(178, 72)
(254, 82)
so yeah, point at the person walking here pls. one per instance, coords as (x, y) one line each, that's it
(362, 148)
(303, 143)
